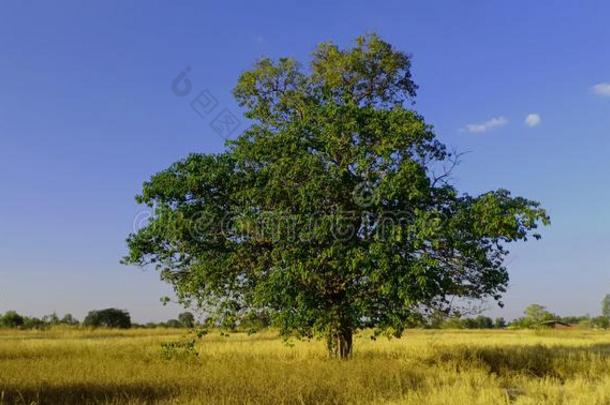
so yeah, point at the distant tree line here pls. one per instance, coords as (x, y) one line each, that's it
(478, 322)
(108, 318)
(535, 316)
(11, 319)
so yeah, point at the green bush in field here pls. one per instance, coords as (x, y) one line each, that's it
(110, 317)
(11, 319)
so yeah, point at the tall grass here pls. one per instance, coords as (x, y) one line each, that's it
(431, 367)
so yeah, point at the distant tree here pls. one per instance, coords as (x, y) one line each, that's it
(227, 322)
(334, 210)
(575, 320)
(585, 323)
(255, 321)
(538, 313)
(500, 323)
(606, 306)
(187, 319)
(437, 319)
(33, 323)
(51, 319)
(452, 323)
(601, 322)
(110, 317)
(173, 323)
(11, 319)
(535, 316)
(484, 322)
(479, 322)
(68, 319)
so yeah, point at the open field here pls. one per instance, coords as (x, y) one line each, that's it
(432, 367)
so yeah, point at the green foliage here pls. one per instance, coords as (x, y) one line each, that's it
(483, 322)
(255, 321)
(601, 322)
(450, 323)
(11, 319)
(574, 320)
(187, 319)
(535, 317)
(173, 323)
(51, 319)
(110, 318)
(536, 314)
(499, 323)
(478, 322)
(606, 306)
(34, 323)
(179, 349)
(68, 319)
(332, 211)
(185, 348)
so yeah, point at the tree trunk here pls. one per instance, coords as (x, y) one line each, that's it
(339, 342)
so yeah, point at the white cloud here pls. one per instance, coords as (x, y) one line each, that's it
(488, 125)
(602, 89)
(533, 120)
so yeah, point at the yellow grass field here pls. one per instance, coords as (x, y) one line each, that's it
(424, 367)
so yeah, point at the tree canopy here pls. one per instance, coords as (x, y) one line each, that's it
(109, 317)
(186, 319)
(11, 319)
(536, 315)
(334, 210)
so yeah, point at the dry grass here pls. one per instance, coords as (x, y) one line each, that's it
(431, 367)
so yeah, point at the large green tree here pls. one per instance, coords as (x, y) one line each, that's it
(333, 211)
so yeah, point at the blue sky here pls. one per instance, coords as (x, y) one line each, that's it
(87, 114)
